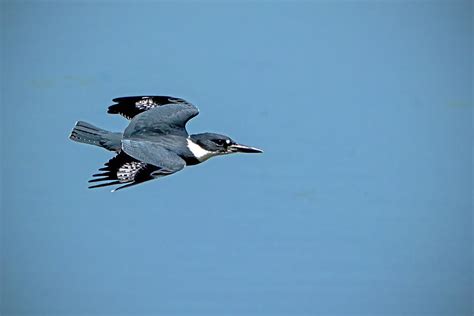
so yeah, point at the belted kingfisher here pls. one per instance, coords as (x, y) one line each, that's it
(155, 143)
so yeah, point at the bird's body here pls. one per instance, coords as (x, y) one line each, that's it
(155, 143)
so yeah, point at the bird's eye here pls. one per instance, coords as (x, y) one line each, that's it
(219, 141)
(222, 142)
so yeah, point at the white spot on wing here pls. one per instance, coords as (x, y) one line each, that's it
(145, 104)
(128, 171)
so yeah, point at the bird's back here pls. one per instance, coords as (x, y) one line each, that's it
(174, 143)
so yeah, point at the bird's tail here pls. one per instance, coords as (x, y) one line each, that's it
(89, 134)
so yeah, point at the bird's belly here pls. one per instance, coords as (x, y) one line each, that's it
(190, 161)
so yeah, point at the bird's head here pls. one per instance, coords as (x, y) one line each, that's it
(217, 144)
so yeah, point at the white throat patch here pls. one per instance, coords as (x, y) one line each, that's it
(200, 153)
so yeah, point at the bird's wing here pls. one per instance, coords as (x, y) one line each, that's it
(128, 107)
(154, 154)
(169, 119)
(136, 163)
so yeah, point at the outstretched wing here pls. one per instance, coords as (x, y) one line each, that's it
(128, 170)
(128, 107)
(169, 119)
(123, 169)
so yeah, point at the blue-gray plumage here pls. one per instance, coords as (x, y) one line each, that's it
(155, 143)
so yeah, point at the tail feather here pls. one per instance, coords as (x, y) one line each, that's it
(89, 134)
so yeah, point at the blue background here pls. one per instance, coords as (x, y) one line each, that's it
(360, 205)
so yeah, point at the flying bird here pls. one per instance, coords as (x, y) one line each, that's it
(155, 143)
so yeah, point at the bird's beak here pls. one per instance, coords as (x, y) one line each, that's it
(238, 148)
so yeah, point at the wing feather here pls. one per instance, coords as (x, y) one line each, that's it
(164, 120)
(138, 162)
(123, 169)
(131, 106)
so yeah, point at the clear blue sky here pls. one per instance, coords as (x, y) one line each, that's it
(360, 205)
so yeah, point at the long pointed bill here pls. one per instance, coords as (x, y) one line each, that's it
(244, 149)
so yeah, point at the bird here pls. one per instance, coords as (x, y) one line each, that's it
(155, 143)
